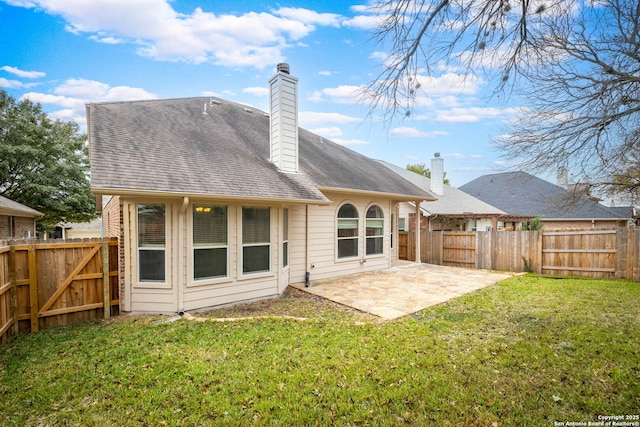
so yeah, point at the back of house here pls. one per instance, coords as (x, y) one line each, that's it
(215, 203)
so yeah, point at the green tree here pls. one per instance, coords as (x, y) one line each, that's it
(422, 169)
(44, 164)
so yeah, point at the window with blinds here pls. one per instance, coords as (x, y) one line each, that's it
(347, 231)
(256, 240)
(285, 237)
(375, 230)
(151, 242)
(210, 241)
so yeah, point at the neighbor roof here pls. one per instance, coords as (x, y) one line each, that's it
(172, 146)
(520, 193)
(11, 208)
(452, 202)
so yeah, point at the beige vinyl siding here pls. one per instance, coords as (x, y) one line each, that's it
(150, 297)
(297, 243)
(236, 287)
(323, 238)
(404, 209)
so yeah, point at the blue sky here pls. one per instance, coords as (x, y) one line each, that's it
(66, 53)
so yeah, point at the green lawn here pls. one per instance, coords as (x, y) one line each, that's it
(526, 352)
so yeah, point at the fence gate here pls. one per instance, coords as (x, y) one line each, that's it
(590, 253)
(459, 249)
(58, 284)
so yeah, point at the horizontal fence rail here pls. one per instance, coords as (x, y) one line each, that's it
(591, 253)
(44, 284)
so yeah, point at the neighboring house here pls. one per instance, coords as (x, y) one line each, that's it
(627, 212)
(17, 221)
(520, 193)
(79, 230)
(216, 203)
(454, 210)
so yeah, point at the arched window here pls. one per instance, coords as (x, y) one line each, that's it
(347, 231)
(375, 230)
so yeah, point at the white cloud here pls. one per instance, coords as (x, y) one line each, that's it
(472, 114)
(328, 132)
(364, 22)
(309, 118)
(309, 16)
(12, 84)
(344, 94)
(107, 40)
(161, 33)
(257, 91)
(24, 74)
(411, 132)
(325, 73)
(73, 94)
(448, 83)
(379, 55)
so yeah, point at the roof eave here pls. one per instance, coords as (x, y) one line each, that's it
(394, 196)
(166, 194)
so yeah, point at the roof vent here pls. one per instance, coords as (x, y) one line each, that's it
(283, 67)
(248, 110)
(214, 101)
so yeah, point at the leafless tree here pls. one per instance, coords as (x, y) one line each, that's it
(575, 62)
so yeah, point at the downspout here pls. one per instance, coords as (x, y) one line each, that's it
(181, 252)
(306, 251)
(417, 231)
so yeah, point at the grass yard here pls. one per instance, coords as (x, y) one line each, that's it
(529, 351)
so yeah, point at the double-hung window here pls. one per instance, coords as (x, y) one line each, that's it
(375, 230)
(256, 240)
(347, 231)
(151, 242)
(210, 242)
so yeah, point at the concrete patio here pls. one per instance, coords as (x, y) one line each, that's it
(404, 289)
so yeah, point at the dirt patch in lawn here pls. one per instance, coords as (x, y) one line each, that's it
(292, 303)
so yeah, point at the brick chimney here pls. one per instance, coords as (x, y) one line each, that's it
(283, 120)
(437, 174)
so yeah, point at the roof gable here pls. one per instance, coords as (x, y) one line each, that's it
(519, 193)
(452, 202)
(172, 146)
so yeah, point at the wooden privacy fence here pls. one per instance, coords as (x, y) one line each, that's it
(590, 253)
(44, 284)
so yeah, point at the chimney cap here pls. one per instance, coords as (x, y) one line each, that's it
(436, 154)
(283, 67)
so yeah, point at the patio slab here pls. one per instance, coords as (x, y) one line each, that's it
(403, 289)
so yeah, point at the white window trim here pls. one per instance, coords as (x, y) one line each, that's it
(384, 223)
(258, 274)
(357, 238)
(166, 284)
(191, 281)
(283, 241)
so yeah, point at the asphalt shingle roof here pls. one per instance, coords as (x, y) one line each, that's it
(520, 193)
(452, 202)
(10, 207)
(170, 146)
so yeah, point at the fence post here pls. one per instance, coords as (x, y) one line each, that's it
(14, 289)
(33, 287)
(106, 289)
(622, 241)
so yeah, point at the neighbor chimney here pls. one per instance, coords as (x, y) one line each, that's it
(437, 174)
(563, 177)
(283, 121)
